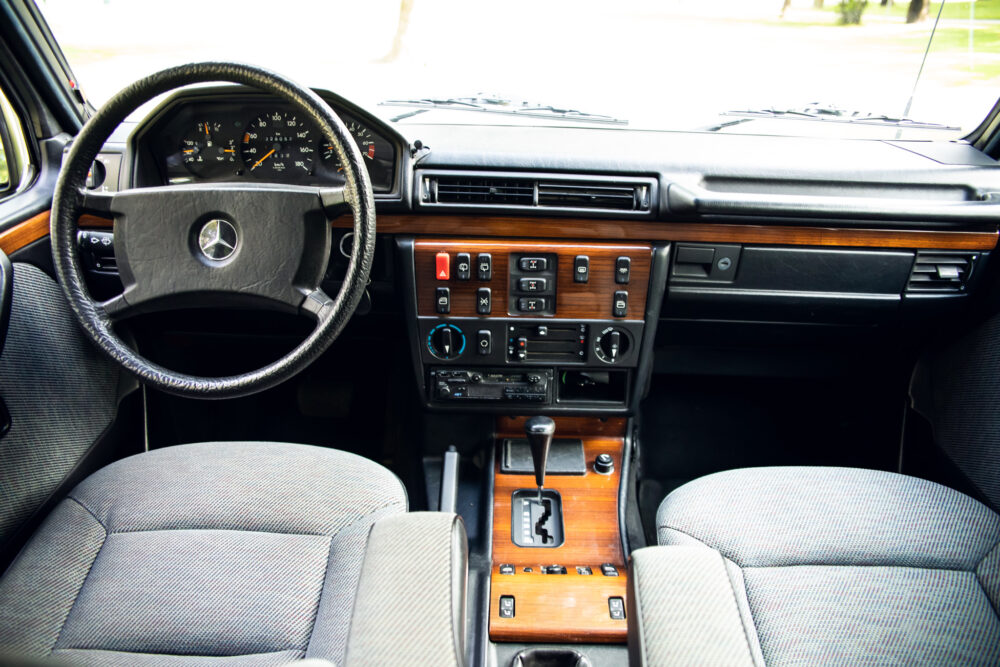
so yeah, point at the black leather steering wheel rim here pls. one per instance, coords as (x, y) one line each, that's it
(70, 199)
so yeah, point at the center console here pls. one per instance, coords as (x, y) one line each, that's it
(540, 326)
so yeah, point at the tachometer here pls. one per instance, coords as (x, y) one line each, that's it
(205, 153)
(278, 144)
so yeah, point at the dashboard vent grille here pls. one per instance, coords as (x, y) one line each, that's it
(619, 197)
(940, 272)
(566, 193)
(450, 190)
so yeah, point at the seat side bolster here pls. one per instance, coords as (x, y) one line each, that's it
(411, 598)
(682, 609)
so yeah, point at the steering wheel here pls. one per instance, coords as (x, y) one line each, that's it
(259, 245)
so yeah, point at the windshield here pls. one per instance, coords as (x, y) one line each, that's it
(800, 67)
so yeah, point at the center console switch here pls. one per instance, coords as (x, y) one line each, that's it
(450, 385)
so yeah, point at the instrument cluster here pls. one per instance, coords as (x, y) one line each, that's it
(211, 141)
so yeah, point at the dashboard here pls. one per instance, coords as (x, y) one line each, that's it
(243, 138)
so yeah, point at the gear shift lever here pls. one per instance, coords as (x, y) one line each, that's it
(539, 431)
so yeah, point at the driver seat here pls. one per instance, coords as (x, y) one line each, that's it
(244, 553)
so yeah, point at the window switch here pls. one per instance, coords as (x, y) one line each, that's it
(506, 606)
(616, 608)
(507, 568)
(581, 269)
(609, 570)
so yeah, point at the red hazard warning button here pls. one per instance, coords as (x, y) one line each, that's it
(442, 266)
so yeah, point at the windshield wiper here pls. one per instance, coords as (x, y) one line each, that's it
(501, 106)
(832, 114)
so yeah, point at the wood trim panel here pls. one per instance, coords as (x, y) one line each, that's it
(25, 233)
(590, 300)
(16, 238)
(562, 607)
(37, 227)
(639, 230)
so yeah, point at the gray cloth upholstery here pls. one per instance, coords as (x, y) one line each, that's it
(845, 566)
(199, 554)
(61, 393)
(410, 605)
(957, 388)
(682, 610)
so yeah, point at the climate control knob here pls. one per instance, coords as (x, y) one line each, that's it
(611, 344)
(446, 341)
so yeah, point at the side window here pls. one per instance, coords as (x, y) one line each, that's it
(14, 156)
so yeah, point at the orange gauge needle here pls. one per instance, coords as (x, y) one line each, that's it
(189, 150)
(257, 163)
(206, 129)
(228, 150)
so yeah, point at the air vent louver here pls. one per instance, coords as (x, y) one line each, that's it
(940, 273)
(569, 193)
(623, 197)
(485, 191)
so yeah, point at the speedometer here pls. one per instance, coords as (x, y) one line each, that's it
(278, 144)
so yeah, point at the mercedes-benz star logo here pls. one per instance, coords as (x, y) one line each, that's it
(218, 239)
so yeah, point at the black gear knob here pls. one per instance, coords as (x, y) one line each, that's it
(539, 431)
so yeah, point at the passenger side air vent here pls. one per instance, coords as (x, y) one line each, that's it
(568, 194)
(451, 190)
(940, 272)
(632, 196)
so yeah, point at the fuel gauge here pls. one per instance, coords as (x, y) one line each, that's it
(206, 153)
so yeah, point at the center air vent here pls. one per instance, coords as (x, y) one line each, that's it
(457, 190)
(940, 272)
(632, 196)
(567, 194)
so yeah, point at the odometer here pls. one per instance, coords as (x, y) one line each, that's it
(278, 144)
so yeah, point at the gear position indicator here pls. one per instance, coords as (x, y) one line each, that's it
(535, 523)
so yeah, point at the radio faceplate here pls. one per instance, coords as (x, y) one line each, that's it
(487, 384)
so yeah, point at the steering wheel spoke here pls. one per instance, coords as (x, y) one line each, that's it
(116, 308)
(93, 202)
(334, 201)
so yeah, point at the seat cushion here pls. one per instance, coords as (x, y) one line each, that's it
(245, 552)
(848, 566)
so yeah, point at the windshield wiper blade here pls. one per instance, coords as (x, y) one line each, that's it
(832, 114)
(502, 106)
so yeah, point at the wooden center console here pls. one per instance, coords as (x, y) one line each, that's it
(571, 607)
